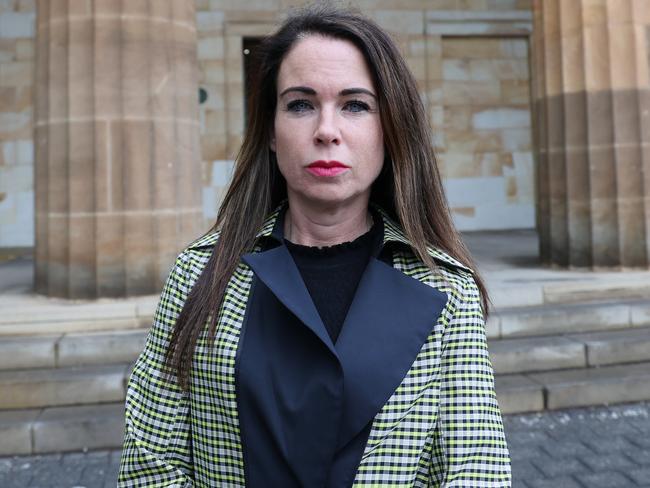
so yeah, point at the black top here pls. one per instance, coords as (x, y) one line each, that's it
(332, 273)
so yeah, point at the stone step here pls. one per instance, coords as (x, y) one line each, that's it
(33, 431)
(546, 353)
(40, 388)
(25, 315)
(567, 318)
(58, 429)
(72, 349)
(573, 388)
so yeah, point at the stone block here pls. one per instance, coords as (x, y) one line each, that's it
(517, 394)
(563, 319)
(17, 24)
(100, 347)
(16, 73)
(209, 21)
(64, 311)
(640, 314)
(519, 139)
(501, 118)
(455, 69)
(24, 49)
(16, 431)
(79, 428)
(400, 21)
(595, 386)
(468, 48)
(536, 354)
(493, 326)
(471, 93)
(616, 347)
(28, 352)
(515, 92)
(69, 386)
(12, 124)
(210, 48)
(602, 290)
(211, 71)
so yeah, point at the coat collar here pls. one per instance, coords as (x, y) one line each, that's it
(271, 228)
(389, 320)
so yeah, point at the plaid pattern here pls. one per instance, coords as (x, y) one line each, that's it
(440, 428)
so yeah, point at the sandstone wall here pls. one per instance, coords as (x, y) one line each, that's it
(470, 58)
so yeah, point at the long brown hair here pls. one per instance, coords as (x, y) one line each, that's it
(409, 187)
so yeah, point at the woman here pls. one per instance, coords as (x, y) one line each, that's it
(329, 331)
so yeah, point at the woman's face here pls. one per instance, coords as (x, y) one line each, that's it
(327, 134)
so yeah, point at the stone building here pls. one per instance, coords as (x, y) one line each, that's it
(134, 112)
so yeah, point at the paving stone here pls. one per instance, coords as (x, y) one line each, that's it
(606, 444)
(74, 428)
(639, 456)
(560, 482)
(640, 476)
(606, 480)
(554, 467)
(536, 354)
(100, 347)
(516, 394)
(523, 471)
(27, 352)
(616, 347)
(567, 448)
(68, 386)
(610, 461)
(594, 386)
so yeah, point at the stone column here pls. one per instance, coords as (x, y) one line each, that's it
(592, 101)
(118, 182)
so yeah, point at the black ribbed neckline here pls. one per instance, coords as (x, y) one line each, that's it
(337, 249)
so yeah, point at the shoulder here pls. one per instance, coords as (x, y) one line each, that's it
(191, 261)
(449, 275)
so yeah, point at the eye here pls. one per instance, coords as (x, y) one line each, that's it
(299, 106)
(356, 106)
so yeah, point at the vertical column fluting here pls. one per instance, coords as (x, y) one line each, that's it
(118, 176)
(592, 128)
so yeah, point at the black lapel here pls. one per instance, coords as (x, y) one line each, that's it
(389, 321)
(278, 271)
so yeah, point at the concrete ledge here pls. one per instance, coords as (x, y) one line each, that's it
(38, 431)
(77, 428)
(536, 354)
(41, 309)
(50, 328)
(595, 386)
(16, 431)
(100, 348)
(518, 394)
(35, 352)
(69, 386)
(568, 318)
(617, 347)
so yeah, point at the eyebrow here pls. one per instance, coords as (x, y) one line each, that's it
(310, 91)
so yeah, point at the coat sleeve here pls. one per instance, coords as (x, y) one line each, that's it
(470, 448)
(157, 441)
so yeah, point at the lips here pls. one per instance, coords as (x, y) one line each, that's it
(327, 168)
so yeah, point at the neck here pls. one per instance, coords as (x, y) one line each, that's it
(325, 226)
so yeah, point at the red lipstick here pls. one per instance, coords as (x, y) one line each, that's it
(327, 168)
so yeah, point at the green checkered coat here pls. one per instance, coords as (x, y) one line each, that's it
(440, 428)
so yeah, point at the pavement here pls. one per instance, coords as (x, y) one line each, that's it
(594, 447)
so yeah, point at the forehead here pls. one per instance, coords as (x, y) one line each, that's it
(326, 63)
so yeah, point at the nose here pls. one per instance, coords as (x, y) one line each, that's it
(327, 131)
